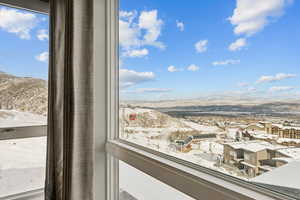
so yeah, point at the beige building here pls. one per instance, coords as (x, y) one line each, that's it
(256, 157)
(275, 129)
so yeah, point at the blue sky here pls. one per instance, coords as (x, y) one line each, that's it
(24, 43)
(174, 49)
(245, 47)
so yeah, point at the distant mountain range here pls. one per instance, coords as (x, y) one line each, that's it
(23, 94)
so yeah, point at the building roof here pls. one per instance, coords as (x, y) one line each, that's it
(255, 124)
(285, 176)
(254, 145)
(286, 127)
(290, 152)
(288, 140)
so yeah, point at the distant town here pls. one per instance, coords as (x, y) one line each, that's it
(246, 146)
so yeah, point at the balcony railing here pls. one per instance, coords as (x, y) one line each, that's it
(10, 133)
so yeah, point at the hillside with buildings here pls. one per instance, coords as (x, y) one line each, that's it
(242, 145)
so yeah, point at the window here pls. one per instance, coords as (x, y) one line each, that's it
(23, 101)
(195, 78)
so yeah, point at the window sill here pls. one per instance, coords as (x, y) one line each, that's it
(30, 195)
(195, 181)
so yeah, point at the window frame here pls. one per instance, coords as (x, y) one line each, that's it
(172, 171)
(201, 182)
(31, 5)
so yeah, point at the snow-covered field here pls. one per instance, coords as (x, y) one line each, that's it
(205, 153)
(12, 118)
(22, 161)
(22, 165)
(22, 168)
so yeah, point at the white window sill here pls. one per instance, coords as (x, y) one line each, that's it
(195, 181)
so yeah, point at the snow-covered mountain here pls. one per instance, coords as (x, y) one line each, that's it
(23, 94)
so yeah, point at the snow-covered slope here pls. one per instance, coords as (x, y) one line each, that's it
(22, 165)
(12, 118)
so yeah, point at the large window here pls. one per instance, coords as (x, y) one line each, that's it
(215, 84)
(23, 100)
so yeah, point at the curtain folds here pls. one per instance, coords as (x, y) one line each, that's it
(69, 173)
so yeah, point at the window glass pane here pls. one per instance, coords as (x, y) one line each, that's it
(216, 84)
(23, 100)
(136, 185)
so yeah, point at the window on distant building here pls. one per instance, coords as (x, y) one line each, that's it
(23, 100)
(198, 79)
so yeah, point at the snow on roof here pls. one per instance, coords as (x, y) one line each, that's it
(286, 127)
(286, 176)
(254, 146)
(264, 122)
(284, 159)
(255, 124)
(282, 140)
(290, 152)
(263, 135)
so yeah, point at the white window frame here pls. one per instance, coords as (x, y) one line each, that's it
(41, 6)
(194, 180)
(191, 179)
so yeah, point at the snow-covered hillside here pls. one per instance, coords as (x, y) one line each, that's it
(154, 123)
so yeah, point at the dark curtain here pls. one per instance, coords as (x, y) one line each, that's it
(70, 153)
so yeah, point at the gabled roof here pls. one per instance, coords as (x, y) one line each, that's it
(254, 145)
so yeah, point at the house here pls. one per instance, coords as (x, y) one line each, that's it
(283, 131)
(252, 156)
(255, 127)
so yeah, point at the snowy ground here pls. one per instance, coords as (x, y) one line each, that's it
(22, 168)
(22, 161)
(22, 165)
(12, 118)
(205, 153)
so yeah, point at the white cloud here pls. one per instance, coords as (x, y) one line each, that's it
(42, 35)
(137, 31)
(172, 68)
(201, 46)
(280, 88)
(238, 44)
(226, 62)
(17, 22)
(136, 53)
(153, 90)
(251, 16)
(149, 21)
(242, 84)
(130, 77)
(193, 68)
(127, 16)
(180, 25)
(43, 57)
(277, 77)
(128, 35)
